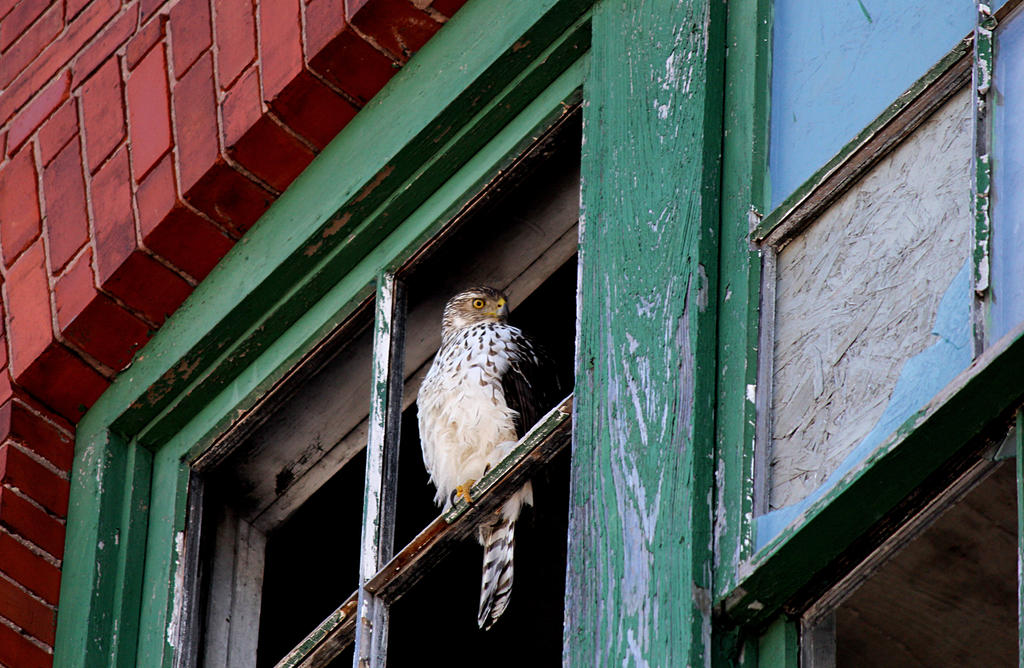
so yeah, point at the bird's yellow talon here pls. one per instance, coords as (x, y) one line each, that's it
(463, 491)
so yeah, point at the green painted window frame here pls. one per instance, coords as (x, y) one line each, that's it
(754, 588)
(457, 114)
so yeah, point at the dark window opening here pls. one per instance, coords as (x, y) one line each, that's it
(282, 494)
(948, 597)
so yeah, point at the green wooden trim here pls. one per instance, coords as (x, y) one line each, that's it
(481, 90)
(639, 560)
(779, 646)
(163, 574)
(793, 203)
(984, 64)
(981, 187)
(110, 531)
(926, 441)
(744, 194)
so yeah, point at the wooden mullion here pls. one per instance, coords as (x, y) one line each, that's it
(765, 381)
(981, 110)
(377, 544)
(534, 451)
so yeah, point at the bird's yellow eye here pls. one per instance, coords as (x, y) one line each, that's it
(478, 303)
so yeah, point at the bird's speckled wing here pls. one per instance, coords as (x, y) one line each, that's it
(530, 384)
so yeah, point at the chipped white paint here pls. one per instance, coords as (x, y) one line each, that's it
(173, 626)
(752, 393)
(857, 294)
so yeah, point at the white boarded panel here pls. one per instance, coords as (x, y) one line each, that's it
(858, 295)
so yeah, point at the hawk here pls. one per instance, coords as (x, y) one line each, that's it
(485, 389)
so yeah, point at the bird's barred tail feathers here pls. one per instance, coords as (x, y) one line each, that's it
(496, 584)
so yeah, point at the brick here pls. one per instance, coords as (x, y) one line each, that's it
(256, 142)
(143, 41)
(63, 381)
(190, 33)
(149, 7)
(236, 38)
(6, 389)
(54, 56)
(149, 116)
(30, 328)
(30, 570)
(280, 44)
(27, 47)
(31, 522)
(32, 615)
(112, 37)
(148, 287)
(271, 153)
(189, 242)
(19, 204)
(229, 197)
(26, 519)
(75, 6)
(195, 122)
(242, 106)
(173, 231)
(103, 114)
(19, 19)
(17, 650)
(313, 110)
(325, 19)
(395, 25)
(34, 480)
(352, 65)
(33, 115)
(38, 430)
(67, 216)
(58, 130)
(92, 321)
(113, 224)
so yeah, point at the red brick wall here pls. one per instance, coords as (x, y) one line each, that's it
(139, 140)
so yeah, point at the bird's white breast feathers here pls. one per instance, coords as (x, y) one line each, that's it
(465, 423)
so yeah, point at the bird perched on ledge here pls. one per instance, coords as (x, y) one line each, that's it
(488, 385)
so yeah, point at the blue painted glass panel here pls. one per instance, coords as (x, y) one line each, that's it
(1007, 305)
(838, 65)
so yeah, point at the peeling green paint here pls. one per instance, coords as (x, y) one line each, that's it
(640, 505)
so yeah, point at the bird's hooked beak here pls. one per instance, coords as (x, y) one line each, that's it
(502, 311)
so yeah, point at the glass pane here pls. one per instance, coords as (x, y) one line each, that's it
(1007, 304)
(838, 65)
